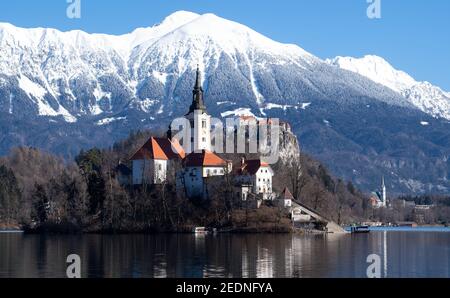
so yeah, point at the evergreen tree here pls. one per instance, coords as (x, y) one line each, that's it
(41, 205)
(10, 196)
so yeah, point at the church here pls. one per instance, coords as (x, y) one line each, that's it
(151, 163)
(378, 199)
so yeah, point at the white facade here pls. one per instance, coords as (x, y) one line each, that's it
(284, 203)
(261, 181)
(213, 171)
(243, 191)
(200, 131)
(193, 179)
(149, 171)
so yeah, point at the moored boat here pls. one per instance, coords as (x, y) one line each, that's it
(359, 229)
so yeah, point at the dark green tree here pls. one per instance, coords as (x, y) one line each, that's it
(41, 205)
(10, 196)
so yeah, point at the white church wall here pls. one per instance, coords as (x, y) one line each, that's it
(201, 131)
(213, 171)
(149, 171)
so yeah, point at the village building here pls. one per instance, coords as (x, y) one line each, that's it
(152, 161)
(285, 199)
(379, 199)
(254, 176)
(197, 169)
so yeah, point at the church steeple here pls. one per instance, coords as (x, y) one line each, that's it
(383, 193)
(197, 100)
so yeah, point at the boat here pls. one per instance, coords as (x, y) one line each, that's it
(359, 229)
(200, 231)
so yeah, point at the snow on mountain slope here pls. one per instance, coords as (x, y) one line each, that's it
(368, 119)
(91, 74)
(94, 74)
(423, 95)
(204, 41)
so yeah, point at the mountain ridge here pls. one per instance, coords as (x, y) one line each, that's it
(423, 95)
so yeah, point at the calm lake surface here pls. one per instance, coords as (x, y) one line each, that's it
(403, 254)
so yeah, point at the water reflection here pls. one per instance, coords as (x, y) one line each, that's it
(404, 254)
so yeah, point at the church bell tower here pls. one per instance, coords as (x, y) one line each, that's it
(199, 118)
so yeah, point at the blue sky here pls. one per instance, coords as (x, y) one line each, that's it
(412, 35)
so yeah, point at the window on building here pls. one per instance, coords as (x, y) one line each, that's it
(215, 171)
(204, 124)
(159, 167)
(203, 140)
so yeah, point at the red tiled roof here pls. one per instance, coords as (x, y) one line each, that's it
(178, 148)
(159, 148)
(251, 167)
(204, 159)
(286, 194)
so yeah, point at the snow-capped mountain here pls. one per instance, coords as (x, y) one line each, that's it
(66, 91)
(75, 74)
(423, 95)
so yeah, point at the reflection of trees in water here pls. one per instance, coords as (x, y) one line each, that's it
(257, 255)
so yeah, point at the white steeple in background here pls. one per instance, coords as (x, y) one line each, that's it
(383, 192)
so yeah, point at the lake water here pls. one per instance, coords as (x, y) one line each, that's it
(403, 254)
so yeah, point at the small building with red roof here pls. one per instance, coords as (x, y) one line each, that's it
(197, 168)
(285, 199)
(150, 163)
(255, 176)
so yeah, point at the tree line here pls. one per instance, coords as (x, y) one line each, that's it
(42, 191)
